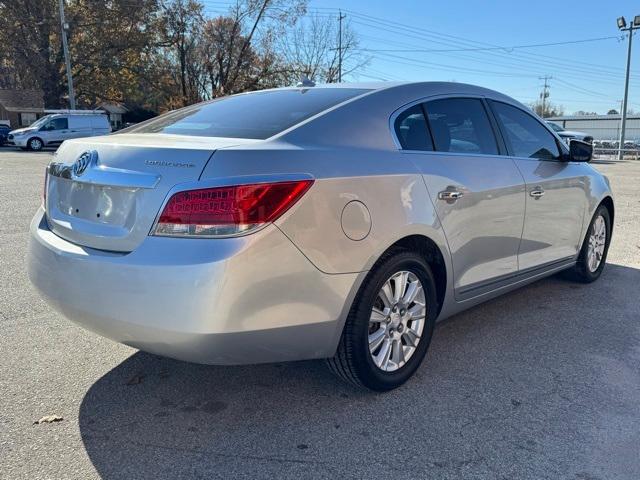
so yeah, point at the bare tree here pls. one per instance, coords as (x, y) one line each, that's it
(311, 49)
(238, 48)
(550, 110)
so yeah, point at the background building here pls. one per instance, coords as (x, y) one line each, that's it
(115, 112)
(20, 108)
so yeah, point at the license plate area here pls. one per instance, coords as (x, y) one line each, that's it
(101, 204)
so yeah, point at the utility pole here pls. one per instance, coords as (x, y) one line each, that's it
(622, 25)
(67, 61)
(544, 94)
(340, 18)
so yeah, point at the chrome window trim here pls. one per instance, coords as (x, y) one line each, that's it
(458, 154)
(396, 113)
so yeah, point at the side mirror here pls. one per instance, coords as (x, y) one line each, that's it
(580, 151)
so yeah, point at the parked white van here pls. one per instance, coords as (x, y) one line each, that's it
(52, 130)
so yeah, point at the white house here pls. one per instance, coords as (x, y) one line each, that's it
(115, 112)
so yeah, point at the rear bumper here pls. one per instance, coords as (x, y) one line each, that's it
(238, 300)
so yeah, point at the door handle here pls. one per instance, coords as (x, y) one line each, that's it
(450, 196)
(537, 192)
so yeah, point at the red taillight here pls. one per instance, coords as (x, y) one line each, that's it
(228, 210)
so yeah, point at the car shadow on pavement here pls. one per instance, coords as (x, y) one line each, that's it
(506, 384)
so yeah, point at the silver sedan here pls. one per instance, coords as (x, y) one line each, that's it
(335, 222)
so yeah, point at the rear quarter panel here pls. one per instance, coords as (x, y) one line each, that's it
(386, 182)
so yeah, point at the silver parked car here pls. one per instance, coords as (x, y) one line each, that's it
(568, 135)
(52, 130)
(332, 222)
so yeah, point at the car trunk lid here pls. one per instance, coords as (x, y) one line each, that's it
(105, 192)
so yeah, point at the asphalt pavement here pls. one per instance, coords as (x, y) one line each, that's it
(543, 383)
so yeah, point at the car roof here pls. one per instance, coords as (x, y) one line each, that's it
(415, 89)
(430, 85)
(375, 107)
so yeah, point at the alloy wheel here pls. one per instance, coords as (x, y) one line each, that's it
(397, 321)
(597, 243)
(35, 144)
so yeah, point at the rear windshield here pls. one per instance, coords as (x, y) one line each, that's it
(257, 115)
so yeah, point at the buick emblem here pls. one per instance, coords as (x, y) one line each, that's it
(83, 161)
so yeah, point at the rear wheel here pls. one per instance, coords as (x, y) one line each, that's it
(593, 254)
(35, 144)
(390, 324)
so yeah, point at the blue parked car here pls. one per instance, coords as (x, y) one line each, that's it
(4, 132)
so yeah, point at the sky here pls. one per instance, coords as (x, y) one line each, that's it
(472, 42)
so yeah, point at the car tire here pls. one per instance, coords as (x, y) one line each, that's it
(35, 144)
(593, 254)
(356, 360)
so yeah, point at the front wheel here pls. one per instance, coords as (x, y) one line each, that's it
(389, 327)
(35, 144)
(593, 254)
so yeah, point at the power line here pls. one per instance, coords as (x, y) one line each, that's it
(506, 49)
(451, 40)
(580, 71)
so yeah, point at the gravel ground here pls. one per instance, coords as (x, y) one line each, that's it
(541, 383)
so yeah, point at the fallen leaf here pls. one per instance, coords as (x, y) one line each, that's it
(48, 419)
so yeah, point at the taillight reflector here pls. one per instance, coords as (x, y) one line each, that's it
(228, 210)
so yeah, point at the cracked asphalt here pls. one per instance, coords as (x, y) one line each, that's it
(543, 383)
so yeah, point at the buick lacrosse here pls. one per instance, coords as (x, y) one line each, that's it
(336, 222)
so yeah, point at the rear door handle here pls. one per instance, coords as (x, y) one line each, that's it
(450, 195)
(537, 192)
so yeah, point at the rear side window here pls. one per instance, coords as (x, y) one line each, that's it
(256, 115)
(525, 135)
(461, 125)
(412, 131)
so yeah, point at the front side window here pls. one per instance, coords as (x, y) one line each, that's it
(412, 131)
(257, 115)
(461, 125)
(526, 136)
(57, 124)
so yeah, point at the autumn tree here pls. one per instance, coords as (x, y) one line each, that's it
(110, 45)
(156, 55)
(32, 52)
